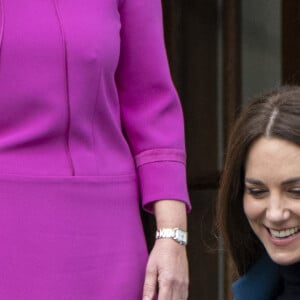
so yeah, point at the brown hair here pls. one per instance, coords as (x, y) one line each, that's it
(275, 114)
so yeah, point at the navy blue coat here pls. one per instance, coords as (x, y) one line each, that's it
(261, 282)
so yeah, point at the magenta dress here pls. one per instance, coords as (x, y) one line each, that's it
(91, 130)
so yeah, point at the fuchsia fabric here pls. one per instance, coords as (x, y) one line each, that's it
(90, 129)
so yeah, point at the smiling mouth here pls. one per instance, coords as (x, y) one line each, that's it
(285, 233)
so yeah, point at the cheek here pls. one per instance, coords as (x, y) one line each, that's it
(295, 208)
(252, 209)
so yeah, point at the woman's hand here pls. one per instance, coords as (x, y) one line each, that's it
(167, 272)
(167, 268)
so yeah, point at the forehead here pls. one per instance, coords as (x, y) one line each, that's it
(273, 158)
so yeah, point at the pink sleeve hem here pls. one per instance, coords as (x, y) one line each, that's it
(160, 154)
(163, 180)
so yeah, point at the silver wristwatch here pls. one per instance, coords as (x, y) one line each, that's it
(180, 236)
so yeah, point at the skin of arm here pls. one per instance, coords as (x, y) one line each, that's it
(167, 268)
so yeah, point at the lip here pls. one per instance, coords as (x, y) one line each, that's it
(282, 242)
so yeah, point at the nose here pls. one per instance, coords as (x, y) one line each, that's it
(277, 211)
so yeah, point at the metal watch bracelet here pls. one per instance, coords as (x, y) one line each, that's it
(178, 235)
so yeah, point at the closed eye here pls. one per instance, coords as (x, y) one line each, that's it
(295, 192)
(257, 192)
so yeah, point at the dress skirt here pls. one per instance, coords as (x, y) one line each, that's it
(71, 238)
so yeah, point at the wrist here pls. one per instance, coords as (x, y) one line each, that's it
(170, 214)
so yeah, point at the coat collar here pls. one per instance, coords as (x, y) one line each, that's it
(261, 282)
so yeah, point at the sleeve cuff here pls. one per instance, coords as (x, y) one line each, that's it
(162, 180)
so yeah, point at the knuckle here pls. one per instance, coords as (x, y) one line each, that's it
(149, 289)
(184, 282)
(150, 272)
(167, 281)
(149, 285)
(172, 281)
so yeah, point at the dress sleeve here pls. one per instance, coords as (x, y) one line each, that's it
(150, 108)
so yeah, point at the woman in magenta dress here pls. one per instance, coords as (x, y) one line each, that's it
(90, 129)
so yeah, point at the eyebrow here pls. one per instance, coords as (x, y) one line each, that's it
(291, 180)
(285, 182)
(254, 181)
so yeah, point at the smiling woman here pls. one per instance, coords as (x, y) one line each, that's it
(259, 199)
(272, 198)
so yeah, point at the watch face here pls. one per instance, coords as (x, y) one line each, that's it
(181, 236)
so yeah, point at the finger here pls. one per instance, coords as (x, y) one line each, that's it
(165, 289)
(180, 290)
(173, 289)
(150, 284)
(165, 294)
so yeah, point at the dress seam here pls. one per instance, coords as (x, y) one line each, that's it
(93, 123)
(67, 91)
(1, 25)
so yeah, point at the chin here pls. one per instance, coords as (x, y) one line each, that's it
(284, 259)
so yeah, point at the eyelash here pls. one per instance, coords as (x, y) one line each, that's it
(256, 192)
(259, 193)
(295, 191)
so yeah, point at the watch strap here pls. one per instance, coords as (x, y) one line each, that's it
(178, 235)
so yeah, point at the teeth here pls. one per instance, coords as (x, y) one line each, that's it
(284, 233)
